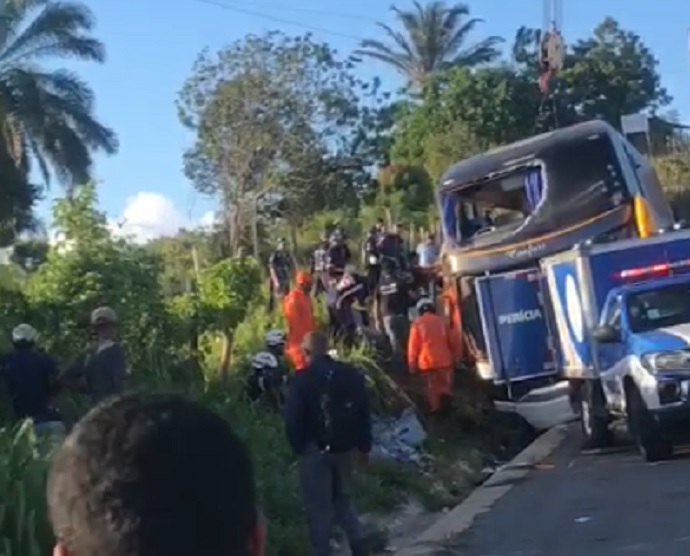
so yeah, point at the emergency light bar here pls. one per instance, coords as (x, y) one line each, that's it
(644, 271)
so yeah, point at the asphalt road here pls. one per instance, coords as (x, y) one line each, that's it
(598, 504)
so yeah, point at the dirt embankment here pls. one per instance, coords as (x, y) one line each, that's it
(461, 451)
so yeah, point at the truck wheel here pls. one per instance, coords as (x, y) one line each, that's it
(594, 419)
(645, 432)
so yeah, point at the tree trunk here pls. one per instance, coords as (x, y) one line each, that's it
(226, 357)
(255, 227)
(293, 238)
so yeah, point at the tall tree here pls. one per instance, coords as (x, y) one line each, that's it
(434, 36)
(610, 74)
(269, 113)
(47, 115)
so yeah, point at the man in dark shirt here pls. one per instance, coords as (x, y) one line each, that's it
(392, 246)
(394, 304)
(325, 470)
(101, 371)
(352, 293)
(371, 257)
(281, 268)
(31, 380)
(338, 254)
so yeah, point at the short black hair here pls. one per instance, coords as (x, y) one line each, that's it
(152, 475)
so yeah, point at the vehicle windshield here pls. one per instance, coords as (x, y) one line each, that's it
(659, 308)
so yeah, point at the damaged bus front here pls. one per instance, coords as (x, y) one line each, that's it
(505, 210)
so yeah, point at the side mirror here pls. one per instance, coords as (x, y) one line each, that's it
(606, 335)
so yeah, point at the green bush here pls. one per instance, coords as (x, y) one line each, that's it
(174, 344)
(24, 528)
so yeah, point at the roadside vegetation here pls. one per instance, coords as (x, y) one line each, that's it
(317, 145)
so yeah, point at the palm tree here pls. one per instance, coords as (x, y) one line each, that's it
(47, 116)
(434, 37)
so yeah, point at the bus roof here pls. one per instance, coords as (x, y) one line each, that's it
(481, 166)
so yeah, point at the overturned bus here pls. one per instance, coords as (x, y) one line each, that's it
(505, 211)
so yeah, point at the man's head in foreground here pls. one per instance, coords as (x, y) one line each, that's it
(153, 476)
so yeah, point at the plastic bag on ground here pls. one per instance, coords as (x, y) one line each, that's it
(398, 439)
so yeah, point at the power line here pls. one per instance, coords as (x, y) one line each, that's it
(295, 9)
(269, 17)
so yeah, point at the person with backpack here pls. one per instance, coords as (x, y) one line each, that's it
(328, 422)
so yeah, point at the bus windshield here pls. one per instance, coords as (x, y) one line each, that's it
(579, 179)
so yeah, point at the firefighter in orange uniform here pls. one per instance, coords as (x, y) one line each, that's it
(432, 351)
(299, 316)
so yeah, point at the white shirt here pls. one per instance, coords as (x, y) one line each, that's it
(428, 254)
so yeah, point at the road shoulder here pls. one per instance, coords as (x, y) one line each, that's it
(482, 499)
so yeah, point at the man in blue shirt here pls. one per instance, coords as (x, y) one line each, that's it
(30, 376)
(328, 421)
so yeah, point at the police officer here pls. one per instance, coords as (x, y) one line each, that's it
(338, 254)
(31, 378)
(101, 371)
(319, 263)
(281, 268)
(371, 257)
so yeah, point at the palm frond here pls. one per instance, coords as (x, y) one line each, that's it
(48, 116)
(383, 53)
(432, 36)
(58, 30)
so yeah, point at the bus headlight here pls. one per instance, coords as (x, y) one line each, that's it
(661, 361)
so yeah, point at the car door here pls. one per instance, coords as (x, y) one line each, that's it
(611, 356)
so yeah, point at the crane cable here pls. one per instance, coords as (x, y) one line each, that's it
(551, 54)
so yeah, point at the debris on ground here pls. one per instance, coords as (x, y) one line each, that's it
(398, 439)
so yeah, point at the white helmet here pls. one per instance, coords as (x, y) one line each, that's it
(24, 333)
(424, 304)
(264, 360)
(275, 338)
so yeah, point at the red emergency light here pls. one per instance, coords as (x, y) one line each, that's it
(653, 270)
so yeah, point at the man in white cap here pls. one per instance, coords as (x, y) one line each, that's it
(102, 371)
(30, 376)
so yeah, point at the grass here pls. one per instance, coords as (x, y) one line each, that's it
(380, 488)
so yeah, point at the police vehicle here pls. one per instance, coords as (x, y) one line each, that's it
(622, 320)
(536, 236)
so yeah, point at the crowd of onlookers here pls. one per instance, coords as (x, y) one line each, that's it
(158, 475)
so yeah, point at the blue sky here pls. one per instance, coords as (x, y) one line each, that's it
(152, 45)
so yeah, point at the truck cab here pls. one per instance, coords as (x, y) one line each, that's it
(642, 353)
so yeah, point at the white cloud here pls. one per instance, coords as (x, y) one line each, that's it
(148, 215)
(209, 219)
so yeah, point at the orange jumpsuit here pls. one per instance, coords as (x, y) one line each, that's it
(432, 351)
(299, 316)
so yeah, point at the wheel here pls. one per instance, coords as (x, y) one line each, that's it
(594, 420)
(644, 430)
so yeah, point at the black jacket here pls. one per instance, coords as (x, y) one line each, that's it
(31, 380)
(302, 409)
